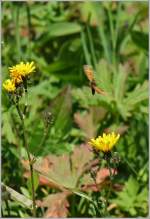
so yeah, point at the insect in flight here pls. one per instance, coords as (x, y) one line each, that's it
(90, 75)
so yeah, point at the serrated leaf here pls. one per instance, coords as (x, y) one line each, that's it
(90, 121)
(86, 99)
(142, 197)
(103, 76)
(64, 171)
(85, 122)
(129, 103)
(44, 88)
(130, 198)
(120, 83)
(139, 94)
(57, 205)
(132, 187)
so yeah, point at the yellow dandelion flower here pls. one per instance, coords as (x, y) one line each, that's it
(21, 70)
(9, 85)
(105, 143)
(16, 76)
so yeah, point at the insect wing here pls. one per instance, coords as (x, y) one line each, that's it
(89, 72)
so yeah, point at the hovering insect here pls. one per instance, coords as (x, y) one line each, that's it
(90, 75)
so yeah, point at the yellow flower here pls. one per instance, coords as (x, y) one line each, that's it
(21, 70)
(105, 143)
(9, 85)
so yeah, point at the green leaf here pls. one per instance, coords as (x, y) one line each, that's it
(61, 108)
(7, 129)
(36, 182)
(133, 99)
(132, 211)
(132, 187)
(44, 88)
(142, 197)
(25, 192)
(103, 76)
(140, 39)
(139, 94)
(59, 65)
(130, 199)
(120, 83)
(85, 98)
(62, 29)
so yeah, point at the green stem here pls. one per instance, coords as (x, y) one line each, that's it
(26, 97)
(29, 158)
(110, 186)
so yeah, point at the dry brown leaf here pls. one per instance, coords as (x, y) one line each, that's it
(85, 122)
(80, 158)
(102, 174)
(90, 120)
(57, 205)
(88, 183)
(42, 181)
(62, 171)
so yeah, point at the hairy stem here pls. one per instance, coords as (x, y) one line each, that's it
(29, 158)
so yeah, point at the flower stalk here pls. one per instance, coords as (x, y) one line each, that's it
(104, 144)
(29, 158)
(16, 86)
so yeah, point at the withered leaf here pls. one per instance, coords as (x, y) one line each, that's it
(57, 205)
(90, 121)
(64, 171)
(101, 179)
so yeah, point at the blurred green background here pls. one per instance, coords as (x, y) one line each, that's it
(61, 37)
